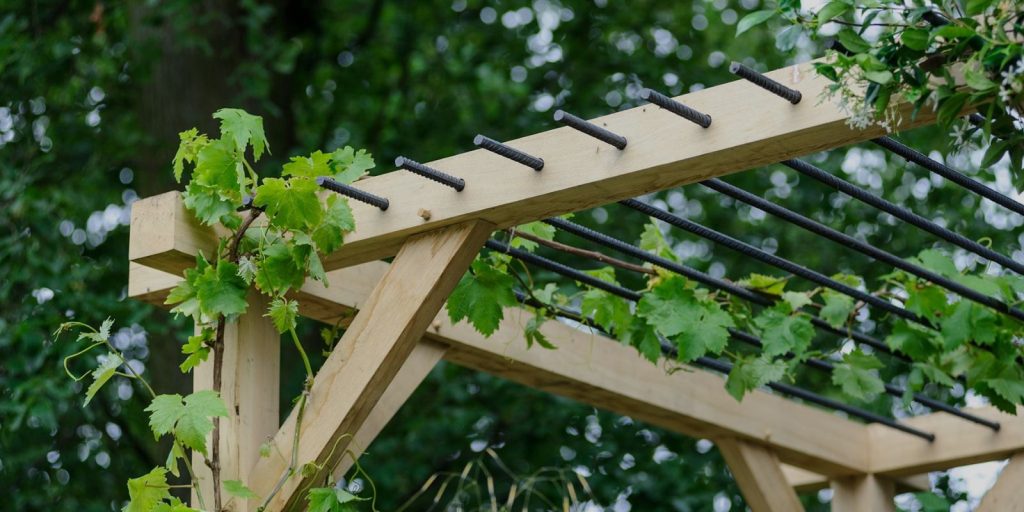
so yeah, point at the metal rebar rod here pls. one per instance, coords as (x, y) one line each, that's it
(911, 155)
(859, 246)
(430, 173)
(791, 95)
(595, 131)
(350, 191)
(707, 280)
(659, 99)
(903, 214)
(705, 362)
(509, 152)
(771, 259)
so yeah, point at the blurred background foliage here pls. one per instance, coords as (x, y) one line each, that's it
(93, 94)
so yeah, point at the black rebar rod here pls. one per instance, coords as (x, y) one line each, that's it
(903, 214)
(350, 191)
(659, 99)
(713, 282)
(791, 95)
(859, 246)
(430, 173)
(509, 152)
(595, 131)
(706, 362)
(775, 261)
(911, 155)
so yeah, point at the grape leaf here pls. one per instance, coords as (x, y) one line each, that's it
(101, 375)
(283, 312)
(751, 373)
(237, 488)
(911, 339)
(837, 308)
(796, 300)
(610, 312)
(956, 328)
(188, 419)
(291, 204)
(653, 240)
(928, 301)
(856, 377)
(196, 350)
(279, 271)
(782, 332)
(696, 326)
(242, 129)
(220, 291)
(537, 229)
(350, 165)
(312, 166)
(768, 284)
(207, 203)
(147, 491)
(188, 149)
(337, 221)
(480, 297)
(330, 499)
(660, 307)
(533, 334)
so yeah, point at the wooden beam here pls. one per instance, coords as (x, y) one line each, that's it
(1007, 492)
(759, 475)
(602, 372)
(804, 481)
(422, 360)
(250, 389)
(750, 129)
(957, 443)
(381, 337)
(863, 493)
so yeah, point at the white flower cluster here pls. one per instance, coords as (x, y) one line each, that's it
(1013, 83)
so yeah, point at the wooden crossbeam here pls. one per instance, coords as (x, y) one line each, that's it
(803, 481)
(957, 443)
(602, 372)
(759, 475)
(374, 347)
(750, 129)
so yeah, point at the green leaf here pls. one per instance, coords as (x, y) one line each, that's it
(653, 240)
(782, 332)
(856, 376)
(915, 39)
(537, 229)
(952, 31)
(749, 374)
(237, 488)
(832, 10)
(101, 375)
(188, 149)
(753, 19)
(1012, 390)
(330, 499)
(696, 326)
(350, 165)
(938, 262)
(852, 41)
(480, 297)
(837, 308)
(610, 312)
(146, 491)
(912, 339)
(928, 301)
(292, 204)
(312, 166)
(337, 221)
(242, 129)
(951, 107)
(935, 374)
(931, 502)
(188, 419)
(768, 284)
(164, 412)
(976, 7)
(786, 39)
(221, 291)
(878, 77)
(975, 78)
(280, 270)
(956, 328)
(207, 203)
(283, 312)
(219, 168)
(533, 334)
(796, 300)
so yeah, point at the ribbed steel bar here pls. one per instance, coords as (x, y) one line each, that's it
(911, 155)
(659, 99)
(430, 173)
(859, 246)
(707, 280)
(903, 214)
(705, 362)
(595, 131)
(509, 152)
(791, 95)
(350, 191)
(771, 259)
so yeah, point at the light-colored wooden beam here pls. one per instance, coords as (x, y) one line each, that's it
(957, 443)
(370, 354)
(863, 493)
(804, 481)
(250, 388)
(759, 476)
(1008, 491)
(751, 128)
(602, 372)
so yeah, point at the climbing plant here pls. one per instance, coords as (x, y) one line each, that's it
(947, 55)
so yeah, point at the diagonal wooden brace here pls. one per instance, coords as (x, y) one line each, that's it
(759, 475)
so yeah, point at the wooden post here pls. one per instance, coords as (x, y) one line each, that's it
(1007, 493)
(863, 493)
(250, 389)
(759, 474)
(382, 336)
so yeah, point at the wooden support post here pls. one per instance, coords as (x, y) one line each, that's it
(1007, 493)
(759, 475)
(382, 336)
(250, 389)
(863, 493)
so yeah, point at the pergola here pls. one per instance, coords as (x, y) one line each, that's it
(775, 447)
